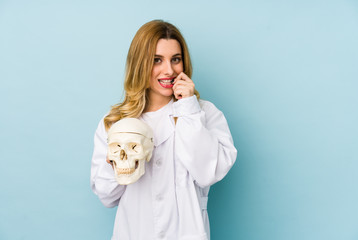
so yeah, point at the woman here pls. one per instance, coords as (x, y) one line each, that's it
(193, 144)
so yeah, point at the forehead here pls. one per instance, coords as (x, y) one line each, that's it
(168, 47)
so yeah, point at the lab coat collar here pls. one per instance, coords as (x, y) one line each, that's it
(165, 125)
(163, 130)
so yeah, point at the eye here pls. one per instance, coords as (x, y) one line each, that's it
(176, 60)
(157, 60)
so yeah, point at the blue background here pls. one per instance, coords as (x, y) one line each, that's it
(283, 72)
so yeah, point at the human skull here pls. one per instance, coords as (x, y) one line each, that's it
(130, 144)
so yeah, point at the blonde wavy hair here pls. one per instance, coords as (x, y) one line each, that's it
(140, 60)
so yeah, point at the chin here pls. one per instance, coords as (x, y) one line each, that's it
(166, 92)
(161, 92)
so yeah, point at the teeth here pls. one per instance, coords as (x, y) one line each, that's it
(125, 170)
(166, 81)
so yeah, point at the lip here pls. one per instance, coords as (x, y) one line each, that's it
(166, 85)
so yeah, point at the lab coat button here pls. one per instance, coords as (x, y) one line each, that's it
(161, 235)
(158, 163)
(159, 197)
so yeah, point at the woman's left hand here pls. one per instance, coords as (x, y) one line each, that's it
(183, 86)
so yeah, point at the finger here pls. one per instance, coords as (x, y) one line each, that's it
(109, 162)
(182, 76)
(178, 96)
(178, 93)
(183, 83)
(182, 92)
(177, 85)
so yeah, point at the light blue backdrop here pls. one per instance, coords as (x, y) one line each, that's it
(283, 72)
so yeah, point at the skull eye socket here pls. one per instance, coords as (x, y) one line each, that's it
(115, 148)
(135, 147)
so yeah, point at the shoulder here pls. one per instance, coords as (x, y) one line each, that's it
(101, 130)
(213, 116)
(208, 106)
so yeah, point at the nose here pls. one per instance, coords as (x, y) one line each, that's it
(123, 155)
(168, 69)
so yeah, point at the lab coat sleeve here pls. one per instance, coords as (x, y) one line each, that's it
(103, 182)
(203, 142)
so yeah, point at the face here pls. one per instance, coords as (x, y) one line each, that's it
(168, 63)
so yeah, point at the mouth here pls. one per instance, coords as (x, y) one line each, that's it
(166, 82)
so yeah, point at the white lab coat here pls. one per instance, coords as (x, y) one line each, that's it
(169, 200)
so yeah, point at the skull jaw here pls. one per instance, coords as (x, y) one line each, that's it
(125, 179)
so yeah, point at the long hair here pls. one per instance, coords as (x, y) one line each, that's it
(140, 60)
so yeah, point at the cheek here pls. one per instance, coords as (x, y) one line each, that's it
(154, 76)
(155, 73)
(179, 68)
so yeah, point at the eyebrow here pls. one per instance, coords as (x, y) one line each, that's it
(175, 55)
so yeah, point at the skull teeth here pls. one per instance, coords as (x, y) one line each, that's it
(125, 170)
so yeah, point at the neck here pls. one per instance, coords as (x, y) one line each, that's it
(156, 102)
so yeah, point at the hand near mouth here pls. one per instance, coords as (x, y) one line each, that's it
(183, 86)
